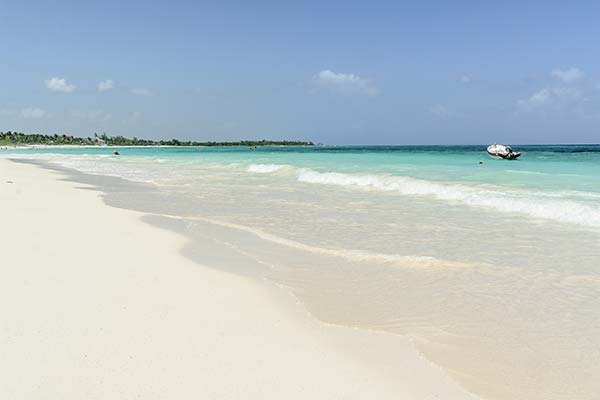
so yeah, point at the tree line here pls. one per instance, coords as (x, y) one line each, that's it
(17, 138)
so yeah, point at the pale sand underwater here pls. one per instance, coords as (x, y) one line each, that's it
(97, 304)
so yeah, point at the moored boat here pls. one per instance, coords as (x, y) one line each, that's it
(503, 151)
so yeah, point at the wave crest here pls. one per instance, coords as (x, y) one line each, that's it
(264, 168)
(511, 201)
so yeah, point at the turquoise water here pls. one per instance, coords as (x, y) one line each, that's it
(492, 268)
(558, 167)
(569, 175)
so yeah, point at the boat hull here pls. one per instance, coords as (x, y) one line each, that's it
(509, 156)
(504, 152)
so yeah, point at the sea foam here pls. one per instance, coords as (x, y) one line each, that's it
(506, 200)
(264, 168)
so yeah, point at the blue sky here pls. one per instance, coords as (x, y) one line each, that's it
(332, 72)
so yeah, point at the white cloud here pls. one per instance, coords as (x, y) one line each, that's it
(568, 75)
(465, 79)
(441, 111)
(141, 92)
(347, 83)
(59, 85)
(34, 113)
(552, 96)
(106, 85)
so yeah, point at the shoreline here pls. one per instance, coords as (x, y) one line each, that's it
(150, 146)
(107, 306)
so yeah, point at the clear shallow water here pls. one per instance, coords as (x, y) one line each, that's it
(493, 268)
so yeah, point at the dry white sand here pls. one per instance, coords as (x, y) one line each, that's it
(96, 304)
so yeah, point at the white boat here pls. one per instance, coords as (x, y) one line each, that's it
(502, 151)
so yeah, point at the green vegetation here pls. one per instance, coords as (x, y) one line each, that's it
(20, 139)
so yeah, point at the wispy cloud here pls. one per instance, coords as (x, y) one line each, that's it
(33, 113)
(465, 79)
(106, 85)
(568, 75)
(441, 111)
(345, 83)
(554, 96)
(141, 92)
(59, 85)
(573, 95)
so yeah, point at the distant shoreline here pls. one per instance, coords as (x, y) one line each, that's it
(150, 146)
(10, 138)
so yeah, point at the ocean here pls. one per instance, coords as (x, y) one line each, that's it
(491, 267)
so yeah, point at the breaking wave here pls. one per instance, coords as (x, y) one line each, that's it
(575, 207)
(264, 168)
(510, 200)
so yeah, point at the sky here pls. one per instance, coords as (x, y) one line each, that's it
(351, 72)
